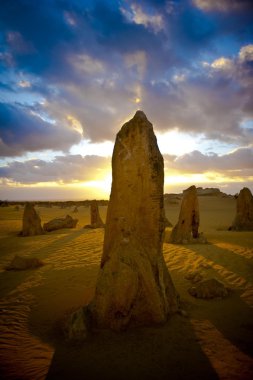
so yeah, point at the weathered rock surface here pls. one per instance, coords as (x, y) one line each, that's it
(244, 212)
(95, 219)
(194, 277)
(75, 327)
(58, 223)
(23, 263)
(134, 285)
(186, 229)
(208, 289)
(167, 223)
(31, 222)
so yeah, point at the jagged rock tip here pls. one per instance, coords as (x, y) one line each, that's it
(140, 115)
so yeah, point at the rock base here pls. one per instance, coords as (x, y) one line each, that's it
(24, 263)
(209, 289)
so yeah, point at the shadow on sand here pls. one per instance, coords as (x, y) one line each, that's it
(231, 316)
(166, 352)
(10, 280)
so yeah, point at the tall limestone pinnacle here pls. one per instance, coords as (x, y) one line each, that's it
(95, 218)
(31, 225)
(134, 285)
(244, 211)
(186, 229)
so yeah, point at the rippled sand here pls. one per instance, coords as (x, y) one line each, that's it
(215, 341)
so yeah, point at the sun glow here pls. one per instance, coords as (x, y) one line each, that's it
(85, 147)
(101, 186)
(185, 179)
(176, 143)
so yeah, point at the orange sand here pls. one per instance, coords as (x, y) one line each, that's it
(215, 341)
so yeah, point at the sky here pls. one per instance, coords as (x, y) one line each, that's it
(72, 72)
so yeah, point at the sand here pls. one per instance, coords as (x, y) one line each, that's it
(214, 340)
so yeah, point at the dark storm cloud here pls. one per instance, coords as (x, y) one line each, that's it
(21, 131)
(65, 169)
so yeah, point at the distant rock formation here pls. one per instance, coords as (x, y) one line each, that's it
(210, 191)
(31, 221)
(186, 229)
(24, 263)
(4, 204)
(208, 289)
(58, 223)
(244, 212)
(75, 210)
(134, 285)
(95, 219)
(171, 199)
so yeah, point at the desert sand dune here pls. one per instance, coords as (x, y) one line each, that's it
(213, 340)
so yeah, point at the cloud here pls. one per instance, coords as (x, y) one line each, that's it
(138, 15)
(222, 64)
(237, 163)
(17, 43)
(223, 5)
(214, 100)
(100, 31)
(94, 61)
(246, 53)
(22, 130)
(138, 60)
(85, 64)
(63, 169)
